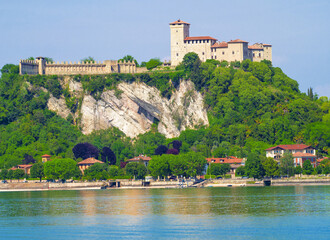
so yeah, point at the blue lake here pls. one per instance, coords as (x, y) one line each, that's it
(301, 212)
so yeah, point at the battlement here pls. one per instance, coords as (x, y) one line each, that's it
(40, 66)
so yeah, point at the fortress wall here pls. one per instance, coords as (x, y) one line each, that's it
(30, 67)
(76, 68)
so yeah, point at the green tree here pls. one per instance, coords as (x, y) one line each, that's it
(159, 166)
(88, 60)
(271, 167)
(37, 171)
(240, 171)
(307, 167)
(137, 170)
(65, 168)
(3, 174)
(286, 164)
(298, 170)
(50, 170)
(10, 174)
(253, 166)
(191, 64)
(97, 171)
(152, 63)
(18, 173)
(129, 58)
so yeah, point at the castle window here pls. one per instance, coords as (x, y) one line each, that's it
(233, 52)
(202, 53)
(253, 55)
(223, 53)
(207, 41)
(177, 54)
(215, 50)
(212, 57)
(259, 54)
(176, 30)
(177, 43)
(203, 41)
(215, 57)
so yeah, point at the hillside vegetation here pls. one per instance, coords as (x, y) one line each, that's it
(251, 106)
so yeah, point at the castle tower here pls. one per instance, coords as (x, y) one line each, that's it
(41, 65)
(179, 31)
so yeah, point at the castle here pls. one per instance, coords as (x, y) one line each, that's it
(40, 66)
(181, 43)
(209, 48)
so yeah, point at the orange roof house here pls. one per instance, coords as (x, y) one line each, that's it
(85, 164)
(45, 158)
(144, 159)
(278, 151)
(234, 162)
(25, 167)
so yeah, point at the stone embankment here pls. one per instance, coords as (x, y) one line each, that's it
(34, 186)
(274, 182)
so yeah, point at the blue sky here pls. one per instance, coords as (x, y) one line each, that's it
(73, 29)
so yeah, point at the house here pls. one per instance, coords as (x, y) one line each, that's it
(140, 158)
(278, 151)
(25, 167)
(234, 162)
(85, 164)
(45, 158)
(319, 160)
(299, 159)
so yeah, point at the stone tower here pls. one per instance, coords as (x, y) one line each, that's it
(179, 31)
(41, 65)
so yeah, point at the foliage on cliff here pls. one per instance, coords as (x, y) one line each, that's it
(251, 107)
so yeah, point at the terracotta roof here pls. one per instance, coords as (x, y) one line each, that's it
(21, 166)
(200, 38)
(290, 147)
(220, 45)
(179, 21)
(254, 47)
(237, 41)
(230, 160)
(89, 161)
(144, 158)
(267, 45)
(321, 159)
(299, 154)
(46, 155)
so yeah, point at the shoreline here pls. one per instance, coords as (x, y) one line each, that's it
(28, 187)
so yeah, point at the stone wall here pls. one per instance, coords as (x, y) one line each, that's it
(39, 66)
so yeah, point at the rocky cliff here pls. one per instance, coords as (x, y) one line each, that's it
(136, 108)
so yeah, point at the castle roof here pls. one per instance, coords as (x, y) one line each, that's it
(220, 45)
(255, 47)
(267, 45)
(290, 147)
(200, 38)
(237, 41)
(46, 155)
(179, 21)
(89, 161)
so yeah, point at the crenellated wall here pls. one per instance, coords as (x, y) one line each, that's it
(39, 66)
(30, 67)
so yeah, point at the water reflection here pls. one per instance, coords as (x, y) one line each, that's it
(206, 202)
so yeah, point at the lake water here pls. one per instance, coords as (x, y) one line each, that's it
(301, 212)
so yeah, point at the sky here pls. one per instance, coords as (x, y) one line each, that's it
(74, 29)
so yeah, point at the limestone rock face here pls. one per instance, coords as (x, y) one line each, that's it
(58, 106)
(139, 106)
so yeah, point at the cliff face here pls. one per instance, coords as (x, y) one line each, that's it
(136, 108)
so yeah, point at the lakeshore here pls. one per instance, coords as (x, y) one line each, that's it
(138, 184)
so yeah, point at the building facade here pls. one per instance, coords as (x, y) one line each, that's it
(210, 48)
(141, 158)
(41, 67)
